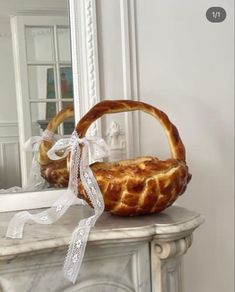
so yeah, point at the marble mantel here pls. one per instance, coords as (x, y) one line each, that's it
(138, 254)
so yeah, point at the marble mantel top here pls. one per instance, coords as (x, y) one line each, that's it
(171, 222)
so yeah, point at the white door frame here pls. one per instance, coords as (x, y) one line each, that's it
(18, 24)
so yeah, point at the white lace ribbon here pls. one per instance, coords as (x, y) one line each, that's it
(33, 143)
(35, 180)
(79, 164)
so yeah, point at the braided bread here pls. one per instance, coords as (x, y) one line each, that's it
(131, 187)
(55, 172)
(143, 185)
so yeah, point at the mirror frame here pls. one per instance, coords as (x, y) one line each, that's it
(84, 50)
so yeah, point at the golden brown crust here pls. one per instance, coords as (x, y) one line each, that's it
(143, 185)
(131, 187)
(52, 126)
(140, 186)
(55, 172)
(115, 106)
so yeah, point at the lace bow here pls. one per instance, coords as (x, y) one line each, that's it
(33, 143)
(79, 164)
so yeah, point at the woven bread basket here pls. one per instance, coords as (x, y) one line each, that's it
(131, 187)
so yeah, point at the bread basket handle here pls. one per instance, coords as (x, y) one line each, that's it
(117, 106)
(64, 114)
(52, 126)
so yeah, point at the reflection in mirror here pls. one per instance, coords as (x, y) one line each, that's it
(42, 86)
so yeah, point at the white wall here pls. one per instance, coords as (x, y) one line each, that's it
(185, 67)
(7, 81)
(111, 78)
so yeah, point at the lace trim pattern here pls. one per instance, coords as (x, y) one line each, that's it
(79, 166)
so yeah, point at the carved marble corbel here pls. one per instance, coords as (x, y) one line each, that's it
(167, 264)
(172, 249)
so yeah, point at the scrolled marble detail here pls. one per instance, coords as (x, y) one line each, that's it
(116, 140)
(171, 249)
(91, 59)
(116, 136)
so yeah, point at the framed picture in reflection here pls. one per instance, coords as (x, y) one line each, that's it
(66, 89)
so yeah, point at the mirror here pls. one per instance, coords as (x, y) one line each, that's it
(40, 47)
(91, 80)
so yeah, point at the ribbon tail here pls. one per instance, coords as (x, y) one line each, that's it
(51, 215)
(76, 251)
(79, 237)
(16, 226)
(78, 165)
